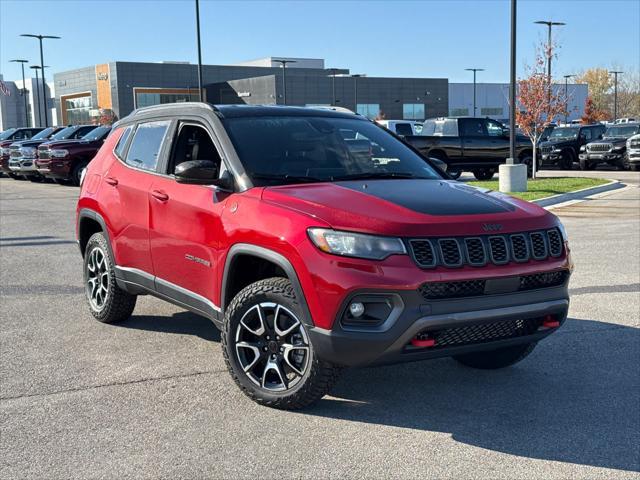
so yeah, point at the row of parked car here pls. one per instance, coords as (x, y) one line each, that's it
(56, 153)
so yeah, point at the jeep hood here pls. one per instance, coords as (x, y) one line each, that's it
(558, 143)
(410, 207)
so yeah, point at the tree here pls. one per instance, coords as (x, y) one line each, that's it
(536, 106)
(628, 94)
(600, 83)
(592, 114)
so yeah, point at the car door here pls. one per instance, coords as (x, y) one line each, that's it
(474, 140)
(498, 142)
(185, 223)
(127, 183)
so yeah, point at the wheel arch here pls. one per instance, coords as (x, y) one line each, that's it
(269, 263)
(89, 223)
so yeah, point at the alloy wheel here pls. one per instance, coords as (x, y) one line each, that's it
(97, 279)
(272, 347)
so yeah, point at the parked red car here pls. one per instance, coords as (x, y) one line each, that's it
(7, 138)
(64, 160)
(311, 252)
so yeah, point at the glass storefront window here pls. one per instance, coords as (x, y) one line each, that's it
(146, 99)
(459, 112)
(78, 110)
(491, 111)
(413, 111)
(369, 110)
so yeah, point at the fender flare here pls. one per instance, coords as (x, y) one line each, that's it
(95, 216)
(271, 256)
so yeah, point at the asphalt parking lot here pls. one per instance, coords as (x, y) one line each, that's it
(151, 397)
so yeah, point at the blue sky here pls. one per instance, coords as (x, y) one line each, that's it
(425, 38)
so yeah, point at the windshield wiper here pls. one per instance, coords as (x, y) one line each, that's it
(287, 178)
(368, 175)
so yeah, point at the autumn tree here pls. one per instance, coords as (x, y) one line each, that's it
(536, 106)
(600, 83)
(591, 113)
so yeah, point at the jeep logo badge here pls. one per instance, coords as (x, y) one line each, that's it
(492, 227)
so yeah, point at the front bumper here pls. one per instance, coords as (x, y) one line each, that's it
(54, 168)
(359, 347)
(633, 156)
(602, 157)
(22, 165)
(551, 157)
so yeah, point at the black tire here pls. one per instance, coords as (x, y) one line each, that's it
(115, 305)
(635, 167)
(494, 359)
(15, 177)
(586, 165)
(484, 173)
(568, 157)
(528, 161)
(35, 178)
(251, 305)
(454, 173)
(77, 173)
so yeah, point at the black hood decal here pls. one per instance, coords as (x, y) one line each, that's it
(432, 197)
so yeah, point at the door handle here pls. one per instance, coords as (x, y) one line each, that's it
(160, 195)
(111, 181)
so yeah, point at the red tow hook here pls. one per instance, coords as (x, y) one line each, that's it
(550, 322)
(422, 343)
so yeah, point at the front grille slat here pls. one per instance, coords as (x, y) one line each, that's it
(497, 249)
(599, 147)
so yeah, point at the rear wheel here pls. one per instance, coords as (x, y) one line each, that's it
(494, 359)
(108, 303)
(484, 173)
(267, 350)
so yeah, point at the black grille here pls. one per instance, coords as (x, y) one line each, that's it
(474, 288)
(423, 253)
(519, 248)
(437, 290)
(499, 253)
(546, 150)
(555, 243)
(599, 147)
(482, 333)
(538, 245)
(476, 254)
(543, 280)
(478, 251)
(450, 251)
(15, 153)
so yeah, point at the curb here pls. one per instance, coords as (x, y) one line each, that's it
(569, 198)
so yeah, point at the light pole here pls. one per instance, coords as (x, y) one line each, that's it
(474, 70)
(36, 68)
(566, 97)
(615, 93)
(512, 89)
(24, 89)
(284, 63)
(44, 84)
(333, 72)
(356, 76)
(549, 25)
(200, 96)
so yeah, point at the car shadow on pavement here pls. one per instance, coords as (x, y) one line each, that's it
(184, 323)
(574, 399)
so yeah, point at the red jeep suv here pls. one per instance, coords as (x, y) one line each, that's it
(314, 240)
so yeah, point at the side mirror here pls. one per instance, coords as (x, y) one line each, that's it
(197, 172)
(439, 163)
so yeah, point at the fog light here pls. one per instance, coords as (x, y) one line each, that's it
(356, 309)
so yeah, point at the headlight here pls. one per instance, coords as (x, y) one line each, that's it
(629, 143)
(583, 148)
(557, 150)
(58, 153)
(28, 151)
(358, 245)
(5, 151)
(617, 148)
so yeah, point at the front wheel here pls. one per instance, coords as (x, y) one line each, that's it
(494, 359)
(454, 173)
(567, 160)
(76, 176)
(586, 165)
(484, 173)
(266, 347)
(108, 303)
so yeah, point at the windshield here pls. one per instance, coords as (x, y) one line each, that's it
(7, 133)
(64, 133)
(280, 149)
(43, 134)
(622, 131)
(97, 133)
(559, 133)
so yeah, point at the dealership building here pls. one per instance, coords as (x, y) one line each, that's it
(117, 88)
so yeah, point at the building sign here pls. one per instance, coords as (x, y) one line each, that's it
(103, 76)
(244, 94)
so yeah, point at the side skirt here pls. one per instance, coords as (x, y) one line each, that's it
(138, 282)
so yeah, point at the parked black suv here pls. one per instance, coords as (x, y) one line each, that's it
(610, 149)
(564, 143)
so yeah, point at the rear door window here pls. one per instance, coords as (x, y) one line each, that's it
(404, 129)
(473, 127)
(146, 144)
